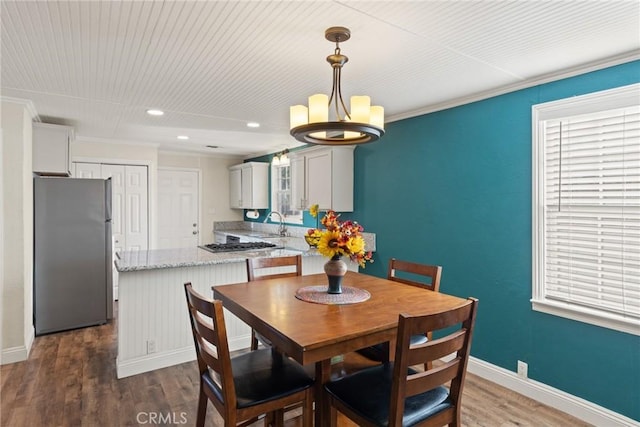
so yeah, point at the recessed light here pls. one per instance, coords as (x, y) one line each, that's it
(253, 125)
(155, 112)
(184, 137)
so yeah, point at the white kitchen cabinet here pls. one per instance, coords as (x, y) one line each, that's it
(323, 176)
(249, 186)
(51, 149)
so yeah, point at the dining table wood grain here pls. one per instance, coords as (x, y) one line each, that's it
(314, 333)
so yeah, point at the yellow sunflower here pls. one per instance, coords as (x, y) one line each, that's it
(328, 244)
(355, 245)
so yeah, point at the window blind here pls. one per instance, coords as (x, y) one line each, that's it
(592, 210)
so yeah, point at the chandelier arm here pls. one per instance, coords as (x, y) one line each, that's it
(344, 108)
(336, 85)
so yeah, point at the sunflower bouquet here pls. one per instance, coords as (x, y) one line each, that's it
(342, 238)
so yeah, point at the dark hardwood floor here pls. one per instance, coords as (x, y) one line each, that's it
(70, 380)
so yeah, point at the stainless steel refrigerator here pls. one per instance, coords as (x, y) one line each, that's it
(72, 253)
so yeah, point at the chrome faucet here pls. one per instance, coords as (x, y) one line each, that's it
(282, 231)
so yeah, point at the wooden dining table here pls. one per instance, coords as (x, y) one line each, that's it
(314, 333)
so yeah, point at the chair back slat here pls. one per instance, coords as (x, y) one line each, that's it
(411, 273)
(271, 268)
(436, 349)
(422, 381)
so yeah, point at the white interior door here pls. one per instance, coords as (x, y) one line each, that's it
(116, 173)
(178, 207)
(136, 220)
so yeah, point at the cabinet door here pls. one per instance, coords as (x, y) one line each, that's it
(246, 184)
(235, 188)
(51, 149)
(318, 179)
(298, 192)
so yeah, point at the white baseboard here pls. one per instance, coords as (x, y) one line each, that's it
(165, 359)
(565, 402)
(154, 361)
(14, 354)
(19, 353)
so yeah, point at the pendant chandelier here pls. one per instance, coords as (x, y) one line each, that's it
(365, 123)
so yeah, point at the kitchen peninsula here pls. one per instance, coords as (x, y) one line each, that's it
(153, 326)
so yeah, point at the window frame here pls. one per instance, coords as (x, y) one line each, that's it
(297, 217)
(620, 97)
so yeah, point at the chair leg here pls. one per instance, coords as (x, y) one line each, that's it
(202, 407)
(307, 409)
(428, 365)
(333, 416)
(254, 340)
(279, 418)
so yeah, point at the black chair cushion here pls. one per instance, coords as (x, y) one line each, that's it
(377, 352)
(368, 392)
(262, 375)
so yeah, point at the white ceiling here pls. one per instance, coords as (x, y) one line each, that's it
(212, 66)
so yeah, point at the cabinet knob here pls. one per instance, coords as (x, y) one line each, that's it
(195, 232)
(194, 224)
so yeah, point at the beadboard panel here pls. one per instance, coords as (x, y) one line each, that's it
(153, 325)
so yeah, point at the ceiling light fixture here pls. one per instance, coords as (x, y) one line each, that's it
(183, 137)
(253, 124)
(364, 124)
(281, 158)
(155, 112)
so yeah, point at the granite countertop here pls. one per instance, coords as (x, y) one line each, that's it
(188, 257)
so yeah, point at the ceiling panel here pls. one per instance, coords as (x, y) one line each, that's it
(212, 66)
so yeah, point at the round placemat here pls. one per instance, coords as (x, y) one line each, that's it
(318, 294)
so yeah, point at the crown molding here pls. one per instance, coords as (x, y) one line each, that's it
(545, 78)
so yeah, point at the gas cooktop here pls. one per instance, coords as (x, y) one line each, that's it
(232, 247)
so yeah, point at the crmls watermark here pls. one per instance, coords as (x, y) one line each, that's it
(161, 418)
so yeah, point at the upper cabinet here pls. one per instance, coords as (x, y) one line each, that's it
(323, 176)
(51, 149)
(249, 186)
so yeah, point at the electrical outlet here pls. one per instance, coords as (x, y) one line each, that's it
(523, 369)
(151, 346)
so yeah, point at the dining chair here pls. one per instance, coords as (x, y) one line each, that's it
(414, 274)
(394, 394)
(246, 386)
(271, 268)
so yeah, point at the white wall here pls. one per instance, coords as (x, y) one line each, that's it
(17, 241)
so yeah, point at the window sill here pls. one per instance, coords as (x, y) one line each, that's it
(587, 315)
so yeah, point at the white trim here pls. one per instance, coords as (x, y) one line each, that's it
(566, 73)
(558, 399)
(19, 353)
(154, 361)
(165, 359)
(15, 354)
(586, 315)
(26, 103)
(618, 97)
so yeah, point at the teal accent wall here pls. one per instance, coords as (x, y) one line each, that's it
(454, 188)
